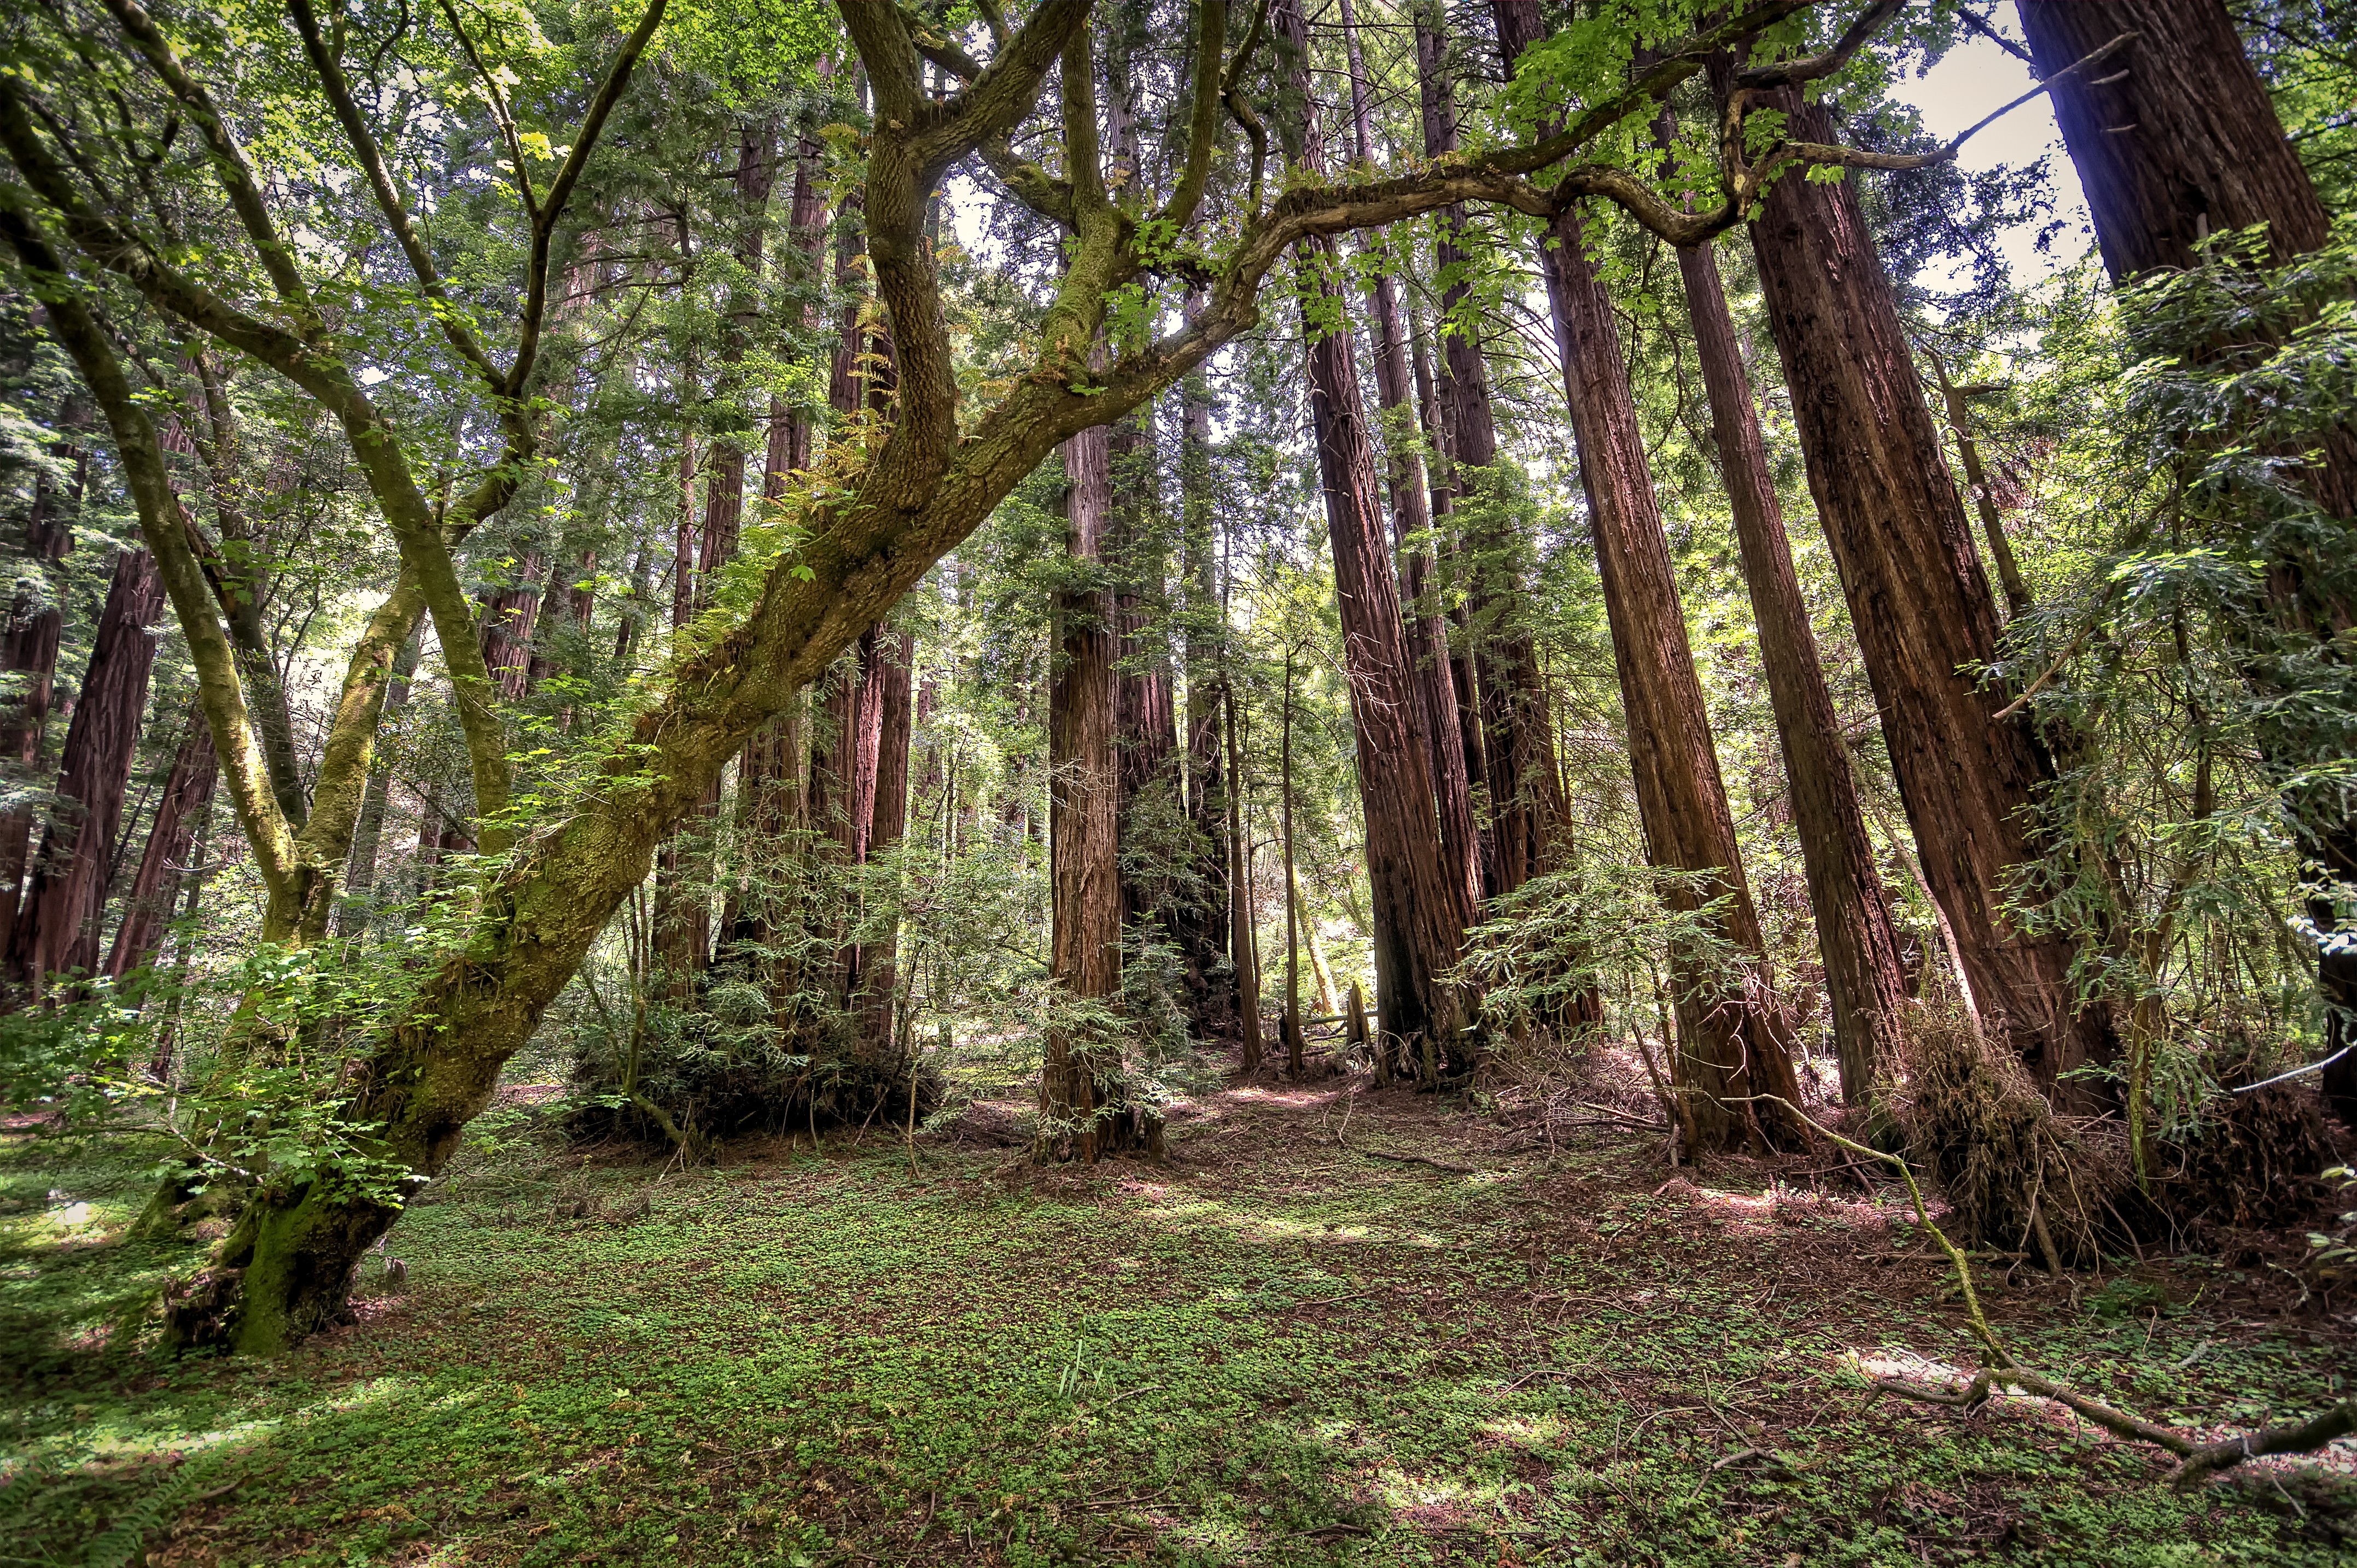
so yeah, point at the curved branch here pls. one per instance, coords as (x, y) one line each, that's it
(235, 173)
(1203, 127)
(1854, 37)
(330, 72)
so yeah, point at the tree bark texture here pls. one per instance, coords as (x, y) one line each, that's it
(57, 930)
(1461, 840)
(1526, 806)
(1079, 1086)
(187, 795)
(28, 656)
(1866, 982)
(1199, 924)
(1420, 910)
(1733, 1041)
(1921, 605)
(511, 610)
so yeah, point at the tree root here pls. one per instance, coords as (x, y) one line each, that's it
(2196, 1461)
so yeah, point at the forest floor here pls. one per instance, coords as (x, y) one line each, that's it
(1277, 1348)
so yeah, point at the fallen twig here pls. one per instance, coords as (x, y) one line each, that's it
(2197, 1461)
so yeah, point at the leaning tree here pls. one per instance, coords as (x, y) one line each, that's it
(99, 204)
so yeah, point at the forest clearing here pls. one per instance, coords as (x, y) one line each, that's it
(1276, 1347)
(1219, 781)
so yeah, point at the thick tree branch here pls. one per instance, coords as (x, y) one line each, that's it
(1203, 122)
(1814, 68)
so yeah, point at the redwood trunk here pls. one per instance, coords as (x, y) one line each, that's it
(509, 612)
(57, 928)
(1460, 842)
(2175, 140)
(1420, 911)
(1083, 814)
(1920, 604)
(1733, 1040)
(1865, 981)
(28, 656)
(1527, 812)
(155, 887)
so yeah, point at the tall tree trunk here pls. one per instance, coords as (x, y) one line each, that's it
(1420, 908)
(1866, 982)
(57, 928)
(1200, 924)
(892, 674)
(1080, 1082)
(510, 611)
(368, 830)
(1510, 738)
(155, 887)
(1970, 779)
(1144, 726)
(28, 658)
(1243, 940)
(1460, 842)
(2175, 141)
(1733, 1040)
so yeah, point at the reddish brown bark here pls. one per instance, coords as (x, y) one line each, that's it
(1921, 605)
(28, 654)
(1527, 812)
(1079, 1082)
(57, 928)
(186, 796)
(1420, 910)
(2175, 141)
(1866, 982)
(1461, 841)
(1733, 1039)
(510, 611)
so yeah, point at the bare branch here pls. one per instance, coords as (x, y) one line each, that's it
(235, 173)
(1854, 37)
(330, 72)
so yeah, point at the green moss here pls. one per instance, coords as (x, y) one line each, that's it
(821, 1361)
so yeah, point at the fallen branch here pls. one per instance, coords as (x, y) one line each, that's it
(2197, 1461)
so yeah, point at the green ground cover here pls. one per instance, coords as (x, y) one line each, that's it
(1273, 1350)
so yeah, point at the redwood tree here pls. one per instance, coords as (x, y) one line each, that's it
(1733, 1041)
(187, 797)
(1970, 770)
(2177, 140)
(1420, 909)
(1866, 982)
(57, 928)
